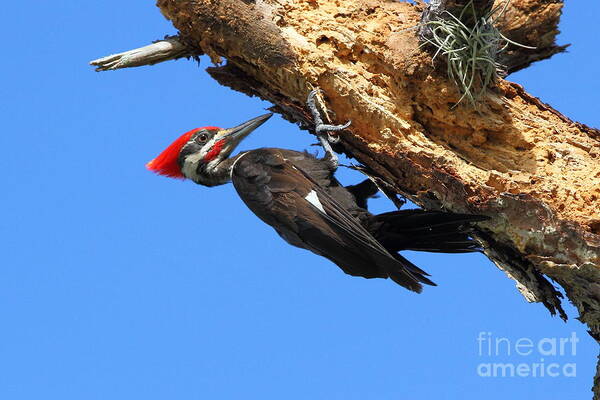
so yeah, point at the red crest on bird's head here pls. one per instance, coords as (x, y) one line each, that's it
(166, 162)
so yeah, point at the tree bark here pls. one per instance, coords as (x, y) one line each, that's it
(516, 159)
(531, 23)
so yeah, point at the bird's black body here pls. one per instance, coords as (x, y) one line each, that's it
(299, 197)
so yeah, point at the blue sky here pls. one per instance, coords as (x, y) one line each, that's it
(118, 284)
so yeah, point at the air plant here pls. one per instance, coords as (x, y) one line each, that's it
(471, 52)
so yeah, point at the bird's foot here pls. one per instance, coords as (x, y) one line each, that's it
(321, 128)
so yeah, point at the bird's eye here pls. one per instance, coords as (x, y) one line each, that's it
(202, 138)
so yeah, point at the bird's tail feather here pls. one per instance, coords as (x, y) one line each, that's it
(432, 231)
(414, 271)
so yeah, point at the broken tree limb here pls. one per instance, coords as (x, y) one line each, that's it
(495, 161)
(170, 48)
(517, 160)
(535, 172)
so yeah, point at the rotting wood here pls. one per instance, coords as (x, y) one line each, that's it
(533, 170)
(508, 158)
(516, 159)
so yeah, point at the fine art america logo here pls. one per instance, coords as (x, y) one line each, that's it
(502, 357)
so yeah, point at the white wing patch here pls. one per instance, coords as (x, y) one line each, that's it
(314, 200)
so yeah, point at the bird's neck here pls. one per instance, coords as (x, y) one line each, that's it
(214, 173)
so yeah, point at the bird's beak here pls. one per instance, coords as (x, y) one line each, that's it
(233, 136)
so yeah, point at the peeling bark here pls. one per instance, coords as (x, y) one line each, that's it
(517, 160)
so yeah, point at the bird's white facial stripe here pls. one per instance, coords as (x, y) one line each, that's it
(313, 199)
(190, 164)
(209, 145)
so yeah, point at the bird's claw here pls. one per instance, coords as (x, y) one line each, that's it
(319, 125)
(331, 128)
(334, 139)
(320, 128)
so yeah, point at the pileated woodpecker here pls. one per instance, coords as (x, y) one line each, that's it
(297, 194)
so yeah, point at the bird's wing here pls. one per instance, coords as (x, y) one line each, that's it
(321, 172)
(304, 214)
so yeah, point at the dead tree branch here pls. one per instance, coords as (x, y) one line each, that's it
(170, 48)
(516, 159)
